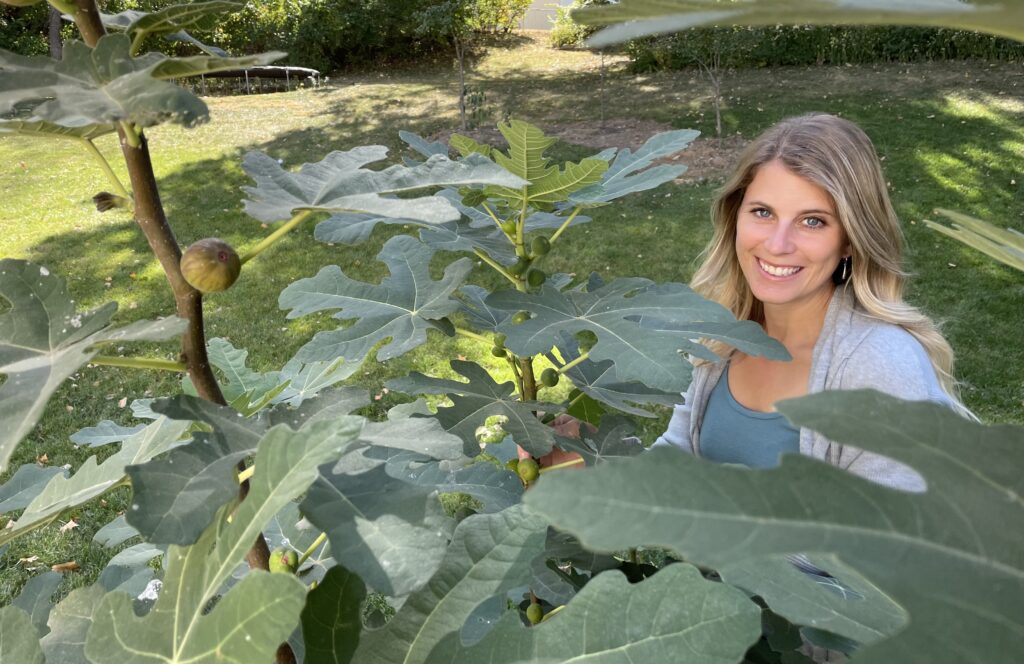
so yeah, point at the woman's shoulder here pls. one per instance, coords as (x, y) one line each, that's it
(886, 357)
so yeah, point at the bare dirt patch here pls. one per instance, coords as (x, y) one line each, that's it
(707, 159)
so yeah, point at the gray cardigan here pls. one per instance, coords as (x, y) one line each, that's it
(853, 351)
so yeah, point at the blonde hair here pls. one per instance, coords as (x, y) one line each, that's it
(838, 156)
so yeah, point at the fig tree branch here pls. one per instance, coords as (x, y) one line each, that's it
(565, 224)
(269, 241)
(139, 363)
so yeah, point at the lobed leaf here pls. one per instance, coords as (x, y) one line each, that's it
(949, 556)
(104, 433)
(18, 639)
(615, 312)
(69, 624)
(632, 172)
(402, 307)
(43, 340)
(676, 616)
(34, 599)
(41, 129)
(638, 18)
(480, 398)
(332, 617)
(490, 553)
(93, 479)
(339, 183)
(26, 483)
(254, 616)
(1006, 246)
(106, 85)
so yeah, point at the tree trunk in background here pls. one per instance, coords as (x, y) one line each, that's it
(56, 46)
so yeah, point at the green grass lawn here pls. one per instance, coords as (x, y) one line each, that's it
(951, 135)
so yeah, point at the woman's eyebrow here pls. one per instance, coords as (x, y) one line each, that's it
(827, 213)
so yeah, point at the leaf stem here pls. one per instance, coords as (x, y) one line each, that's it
(469, 334)
(569, 365)
(564, 464)
(495, 218)
(312, 548)
(246, 474)
(115, 182)
(565, 224)
(131, 135)
(494, 264)
(139, 363)
(517, 375)
(137, 40)
(269, 241)
(64, 7)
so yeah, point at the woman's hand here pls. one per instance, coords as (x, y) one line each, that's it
(569, 427)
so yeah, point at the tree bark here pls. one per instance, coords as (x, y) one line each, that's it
(56, 46)
(460, 55)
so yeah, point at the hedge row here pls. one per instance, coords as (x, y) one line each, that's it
(810, 45)
(323, 34)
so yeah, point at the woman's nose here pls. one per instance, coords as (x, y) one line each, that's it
(780, 240)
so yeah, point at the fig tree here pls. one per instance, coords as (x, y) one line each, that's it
(210, 265)
(528, 470)
(534, 613)
(549, 377)
(536, 278)
(284, 560)
(540, 246)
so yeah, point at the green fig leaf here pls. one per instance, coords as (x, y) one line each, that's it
(463, 236)
(1004, 245)
(35, 599)
(254, 616)
(526, 147)
(418, 144)
(496, 488)
(332, 617)
(195, 15)
(402, 307)
(490, 554)
(467, 146)
(632, 172)
(480, 398)
(129, 570)
(69, 623)
(391, 533)
(26, 483)
(615, 313)
(611, 441)
(40, 129)
(115, 533)
(948, 556)
(676, 616)
(104, 433)
(473, 304)
(94, 479)
(339, 183)
(18, 639)
(43, 340)
(105, 85)
(638, 18)
(839, 601)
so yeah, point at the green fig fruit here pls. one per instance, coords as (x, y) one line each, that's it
(540, 246)
(284, 560)
(528, 470)
(498, 351)
(520, 317)
(536, 278)
(534, 613)
(549, 377)
(513, 465)
(519, 266)
(586, 340)
(210, 265)
(509, 227)
(499, 340)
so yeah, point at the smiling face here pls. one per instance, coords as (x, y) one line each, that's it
(788, 239)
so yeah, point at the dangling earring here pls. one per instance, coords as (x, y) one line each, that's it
(842, 272)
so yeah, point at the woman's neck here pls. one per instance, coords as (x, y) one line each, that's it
(797, 324)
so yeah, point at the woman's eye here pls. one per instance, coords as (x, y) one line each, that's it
(761, 213)
(814, 222)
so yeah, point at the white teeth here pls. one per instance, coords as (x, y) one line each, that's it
(778, 271)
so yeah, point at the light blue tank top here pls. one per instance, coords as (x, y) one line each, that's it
(732, 433)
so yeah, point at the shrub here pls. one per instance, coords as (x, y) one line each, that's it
(565, 32)
(499, 16)
(743, 46)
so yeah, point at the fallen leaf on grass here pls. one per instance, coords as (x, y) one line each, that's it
(65, 567)
(70, 525)
(26, 561)
(43, 459)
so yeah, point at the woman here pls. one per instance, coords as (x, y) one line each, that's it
(807, 244)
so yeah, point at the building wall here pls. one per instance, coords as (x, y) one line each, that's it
(541, 14)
